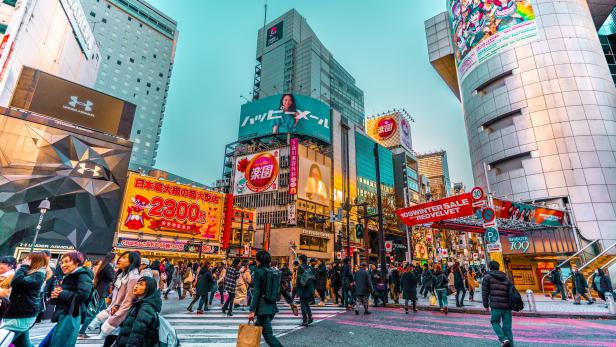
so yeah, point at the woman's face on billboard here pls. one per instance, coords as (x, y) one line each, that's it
(287, 102)
(314, 173)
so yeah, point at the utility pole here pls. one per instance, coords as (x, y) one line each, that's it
(379, 205)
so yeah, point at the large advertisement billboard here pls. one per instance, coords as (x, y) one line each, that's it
(390, 130)
(256, 173)
(314, 181)
(288, 113)
(482, 29)
(55, 97)
(528, 213)
(161, 207)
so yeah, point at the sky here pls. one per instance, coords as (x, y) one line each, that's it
(381, 43)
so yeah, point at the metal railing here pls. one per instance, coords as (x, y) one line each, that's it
(604, 267)
(575, 255)
(590, 262)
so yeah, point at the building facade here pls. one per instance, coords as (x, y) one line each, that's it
(539, 113)
(137, 44)
(292, 59)
(434, 166)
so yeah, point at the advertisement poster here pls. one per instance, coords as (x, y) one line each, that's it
(293, 165)
(523, 274)
(528, 213)
(162, 246)
(443, 209)
(274, 34)
(256, 173)
(158, 207)
(314, 182)
(482, 29)
(390, 130)
(288, 113)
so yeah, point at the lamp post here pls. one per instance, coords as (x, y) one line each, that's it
(43, 207)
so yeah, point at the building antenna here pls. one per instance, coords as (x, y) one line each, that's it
(265, 14)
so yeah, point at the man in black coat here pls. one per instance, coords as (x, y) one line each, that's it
(363, 288)
(409, 288)
(394, 283)
(347, 279)
(336, 280)
(557, 278)
(427, 281)
(579, 287)
(495, 295)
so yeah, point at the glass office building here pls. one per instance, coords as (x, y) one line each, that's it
(137, 44)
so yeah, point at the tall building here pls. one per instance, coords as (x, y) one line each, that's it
(292, 59)
(137, 50)
(435, 167)
(539, 102)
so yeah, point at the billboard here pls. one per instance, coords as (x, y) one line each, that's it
(161, 207)
(528, 213)
(482, 29)
(390, 130)
(274, 33)
(256, 173)
(314, 181)
(287, 113)
(46, 94)
(293, 165)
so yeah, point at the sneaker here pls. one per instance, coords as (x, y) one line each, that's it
(415, 310)
(229, 314)
(506, 343)
(206, 309)
(83, 336)
(406, 311)
(189, 309)
(310, 320)
(200, 312)
(295, 310)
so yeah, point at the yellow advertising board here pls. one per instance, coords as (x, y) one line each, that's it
(390, 130)
(159, 207)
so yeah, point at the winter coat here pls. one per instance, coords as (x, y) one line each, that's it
(176, 278)
(579, 283)
(427, 279)
(336, 277)
(205, 281)
(347, 276)
(604, 283)
(471, 281)
(556, 277)
(441, 281)
(321, 277)
(122, 297)
(409, 286)
(75, 286)
(140, 328)
(495, 290)
(259, 305)
(458, 280)
(363, 283)
(394, 278)
(104, 281)
(26, 294)
(306, 291)
(241, 287)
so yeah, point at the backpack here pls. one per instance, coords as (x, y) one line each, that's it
(167, 336)
(515, 299)
(93, 303)
(307, 277)
(271, 288)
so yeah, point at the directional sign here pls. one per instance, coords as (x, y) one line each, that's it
(491, 235)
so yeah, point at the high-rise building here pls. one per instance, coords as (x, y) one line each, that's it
(435, 167)
(538, 101)
(292, 59)
(137, 50)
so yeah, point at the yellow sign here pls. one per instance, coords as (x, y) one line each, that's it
(153, 206)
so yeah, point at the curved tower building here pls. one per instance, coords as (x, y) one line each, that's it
(538, 99)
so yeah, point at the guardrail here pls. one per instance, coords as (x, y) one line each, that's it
(589, 278)
(580, 252)
(588, 263)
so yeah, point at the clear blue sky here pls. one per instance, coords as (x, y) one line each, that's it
(381, 43)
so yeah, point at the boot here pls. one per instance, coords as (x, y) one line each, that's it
(445, 310)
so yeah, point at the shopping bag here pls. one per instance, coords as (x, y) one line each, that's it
(6, 336)
(432, 300)
(249, 335)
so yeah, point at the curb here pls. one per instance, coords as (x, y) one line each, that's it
(576, 315)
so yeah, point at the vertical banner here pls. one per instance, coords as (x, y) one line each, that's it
(266, 237)
(291, 214)
(226, 234)
(293, 163)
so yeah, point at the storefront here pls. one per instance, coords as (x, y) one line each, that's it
(171, 250)
(287, 243)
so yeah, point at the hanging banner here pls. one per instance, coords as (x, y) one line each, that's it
(528, 213)
(293, 165)
(434, 211)
(267, 230)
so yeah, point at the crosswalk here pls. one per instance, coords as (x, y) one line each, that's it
(216, 329)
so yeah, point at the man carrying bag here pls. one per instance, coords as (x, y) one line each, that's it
(266, 292)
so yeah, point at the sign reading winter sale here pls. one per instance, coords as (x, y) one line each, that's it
(434, 211)
(161, 207)
(256, 173)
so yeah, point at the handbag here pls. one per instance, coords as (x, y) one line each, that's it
(432, 300)
(249, 335)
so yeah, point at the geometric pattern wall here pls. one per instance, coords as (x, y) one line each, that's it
(82, 176)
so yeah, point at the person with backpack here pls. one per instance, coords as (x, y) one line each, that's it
(305, 288)
(394, 284)
(140, 328)
(103, 276)
(321, 281)
(427, 281)
(495, 295)
(458, 283)
(441, 286)
(267, 286)
(602, 284)
(557, 279)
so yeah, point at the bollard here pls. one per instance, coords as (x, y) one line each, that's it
(609, 297)
(530, 297)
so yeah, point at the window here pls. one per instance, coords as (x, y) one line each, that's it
(160, 74)
(148, 84)
(130, 19)
(108, 56)
(138, 132)
(92, 14)
(154, 55)
(138, 79)
(104, 20)
(119, 62)
(140, 25)
(131, 60)
(310, 243)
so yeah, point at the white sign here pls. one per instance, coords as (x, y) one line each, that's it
(389, 246)
(291, 214)
(79, 23)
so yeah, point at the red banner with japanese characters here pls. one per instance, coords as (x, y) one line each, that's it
(434, 211)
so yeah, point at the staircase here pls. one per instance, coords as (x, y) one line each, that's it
(588, 269)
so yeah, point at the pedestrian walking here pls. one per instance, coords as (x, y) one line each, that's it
(69, 297)
(176, 280)
(305, 288)
(187, 280)
(220, 281)
(103, 276)
(230, 287)
(285, 288)
(602, 284)
(336, 279)
(204, 283)
(243, 283)
(140, 328)
(144, 268)
(409, 288)
(495, 297)
(459, 285)
(25, 298)
(579, 287)
(155, 268)
(441, 286)
(346, 280)
(427, 281)
(262, 306)
(557, 279)
(472, 284)
(363, 287)
(394, 284)
(321, 281)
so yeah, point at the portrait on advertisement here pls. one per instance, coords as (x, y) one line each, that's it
(314, 181)
(290, 117)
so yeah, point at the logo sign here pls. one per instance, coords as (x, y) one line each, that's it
(518, 244)
(274, 34)
(492, 235)
(434, 211)
(293, 165)
(339, 255)
(389, 246)
(291, 214)
(256, 173)
(390, 130)
(83, 107)
(494, 247)
(529, 213)
(386, 128)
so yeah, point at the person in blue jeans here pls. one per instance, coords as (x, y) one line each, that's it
(495, 295)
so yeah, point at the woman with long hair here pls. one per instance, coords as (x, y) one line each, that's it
(441, 286)
(601, 283)
(103, 276)
(69, 296)
(127, 276)
(7, 271)
(155, 267)
(205, 282)
(25, 298)
(289, 118)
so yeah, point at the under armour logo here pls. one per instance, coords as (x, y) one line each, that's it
(87, 105)
(96, 170)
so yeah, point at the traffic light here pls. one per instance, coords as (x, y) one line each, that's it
(359, 231)
(186, 247)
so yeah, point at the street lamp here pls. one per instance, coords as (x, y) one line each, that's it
(43, 207)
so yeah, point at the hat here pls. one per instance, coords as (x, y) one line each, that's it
(145, 261)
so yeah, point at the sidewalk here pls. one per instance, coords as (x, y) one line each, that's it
(546, 307)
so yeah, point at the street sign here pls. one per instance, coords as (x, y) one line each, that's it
(389, 246)
(494, 247)
(491, 235)
(488, 215)
(359, 231)
(339, 255)
(477, 193)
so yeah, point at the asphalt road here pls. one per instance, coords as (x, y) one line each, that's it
(391, 327)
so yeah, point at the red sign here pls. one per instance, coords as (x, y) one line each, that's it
(529, 213)
(386, 127)
(266, 237)
(261, 172)
(293, 166)
(434, 211)
(162, 245)
(226, 234)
